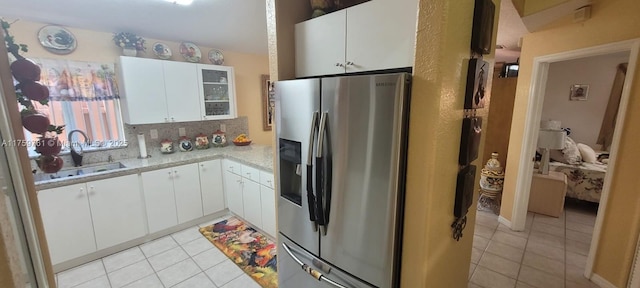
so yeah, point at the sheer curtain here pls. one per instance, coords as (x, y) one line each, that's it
(609, 122)
(84, 96)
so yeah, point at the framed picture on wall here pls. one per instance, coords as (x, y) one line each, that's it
(579, 92)
(268, 104)
(476, 84)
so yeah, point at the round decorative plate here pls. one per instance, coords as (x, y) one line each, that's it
(162, 51)
(216, 57)
(57, 40)
(190, 52)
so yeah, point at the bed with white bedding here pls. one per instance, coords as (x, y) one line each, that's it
(584, 181)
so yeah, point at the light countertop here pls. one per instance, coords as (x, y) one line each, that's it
(258, 156)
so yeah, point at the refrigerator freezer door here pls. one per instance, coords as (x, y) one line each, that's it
(296, 101)
(363, 145)
(292, 275)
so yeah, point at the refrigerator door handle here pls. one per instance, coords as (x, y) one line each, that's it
(320, 177)
(311, 199)
(313, 272)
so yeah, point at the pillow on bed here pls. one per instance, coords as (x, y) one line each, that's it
(571, 152)
(587, 153)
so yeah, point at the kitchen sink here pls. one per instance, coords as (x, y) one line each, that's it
(78, 171)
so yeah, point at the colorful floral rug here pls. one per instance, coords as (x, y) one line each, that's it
(253, 252)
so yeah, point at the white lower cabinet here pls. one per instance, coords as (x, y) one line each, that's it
(172, 196)
(67, 217)
(233, 192)
(186, 185)
(83, 218)
(211, 186)
(268, 197)
(116, 210)
(250, 195)
(159, 199)
(252, 202)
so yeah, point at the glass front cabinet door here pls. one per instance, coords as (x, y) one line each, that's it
(217, 92)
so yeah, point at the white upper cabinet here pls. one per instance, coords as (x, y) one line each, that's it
(320, 45)
(381, 35)
(181, 86)
(375, 35)
(142, 92)
(160, 91)
(217, 92)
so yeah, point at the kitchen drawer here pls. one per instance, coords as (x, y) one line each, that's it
(232, 166)
(251, 173)
(266, 179)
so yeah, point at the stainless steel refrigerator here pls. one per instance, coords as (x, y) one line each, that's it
(341, 163)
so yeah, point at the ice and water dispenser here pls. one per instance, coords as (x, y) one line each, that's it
(291, 170)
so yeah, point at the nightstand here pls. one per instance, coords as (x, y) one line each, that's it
(547, 193)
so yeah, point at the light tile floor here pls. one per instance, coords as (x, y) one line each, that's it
(184, 259)
(551, 252)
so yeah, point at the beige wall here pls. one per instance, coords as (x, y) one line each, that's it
(431, 257)
(612, 20)
(98, 46)
(583, 117)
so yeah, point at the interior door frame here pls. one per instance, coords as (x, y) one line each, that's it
(534, 111)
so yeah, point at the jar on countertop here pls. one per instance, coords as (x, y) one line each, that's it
(166, 146)
(219, 139)
(202, 142)
(185, 144)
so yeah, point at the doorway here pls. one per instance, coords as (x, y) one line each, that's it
(534, 111)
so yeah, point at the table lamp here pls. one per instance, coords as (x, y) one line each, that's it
(549, 139)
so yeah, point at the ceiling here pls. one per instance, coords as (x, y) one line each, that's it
(225, 24)
(238, 26)
(510, 30)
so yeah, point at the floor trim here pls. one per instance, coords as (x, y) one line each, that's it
(597, 279)
(504, 221)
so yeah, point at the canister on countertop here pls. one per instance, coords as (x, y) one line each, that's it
(166, 146)
(219, 139)
(185, 144)
(202, 142)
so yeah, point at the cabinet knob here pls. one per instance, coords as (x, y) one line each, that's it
(173, 120)
(166, 119)
(202, 165)
(269, 181)
(339, 65)
(92, 190)
(176, 171)
(349, 63)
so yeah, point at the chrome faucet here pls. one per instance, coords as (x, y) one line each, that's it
(75, 156)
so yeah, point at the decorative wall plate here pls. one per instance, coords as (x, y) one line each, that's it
(57, 40)
(190, 52)
(162, 51)
(216, 57)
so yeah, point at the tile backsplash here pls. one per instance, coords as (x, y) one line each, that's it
(170, 131)
(165, 131)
